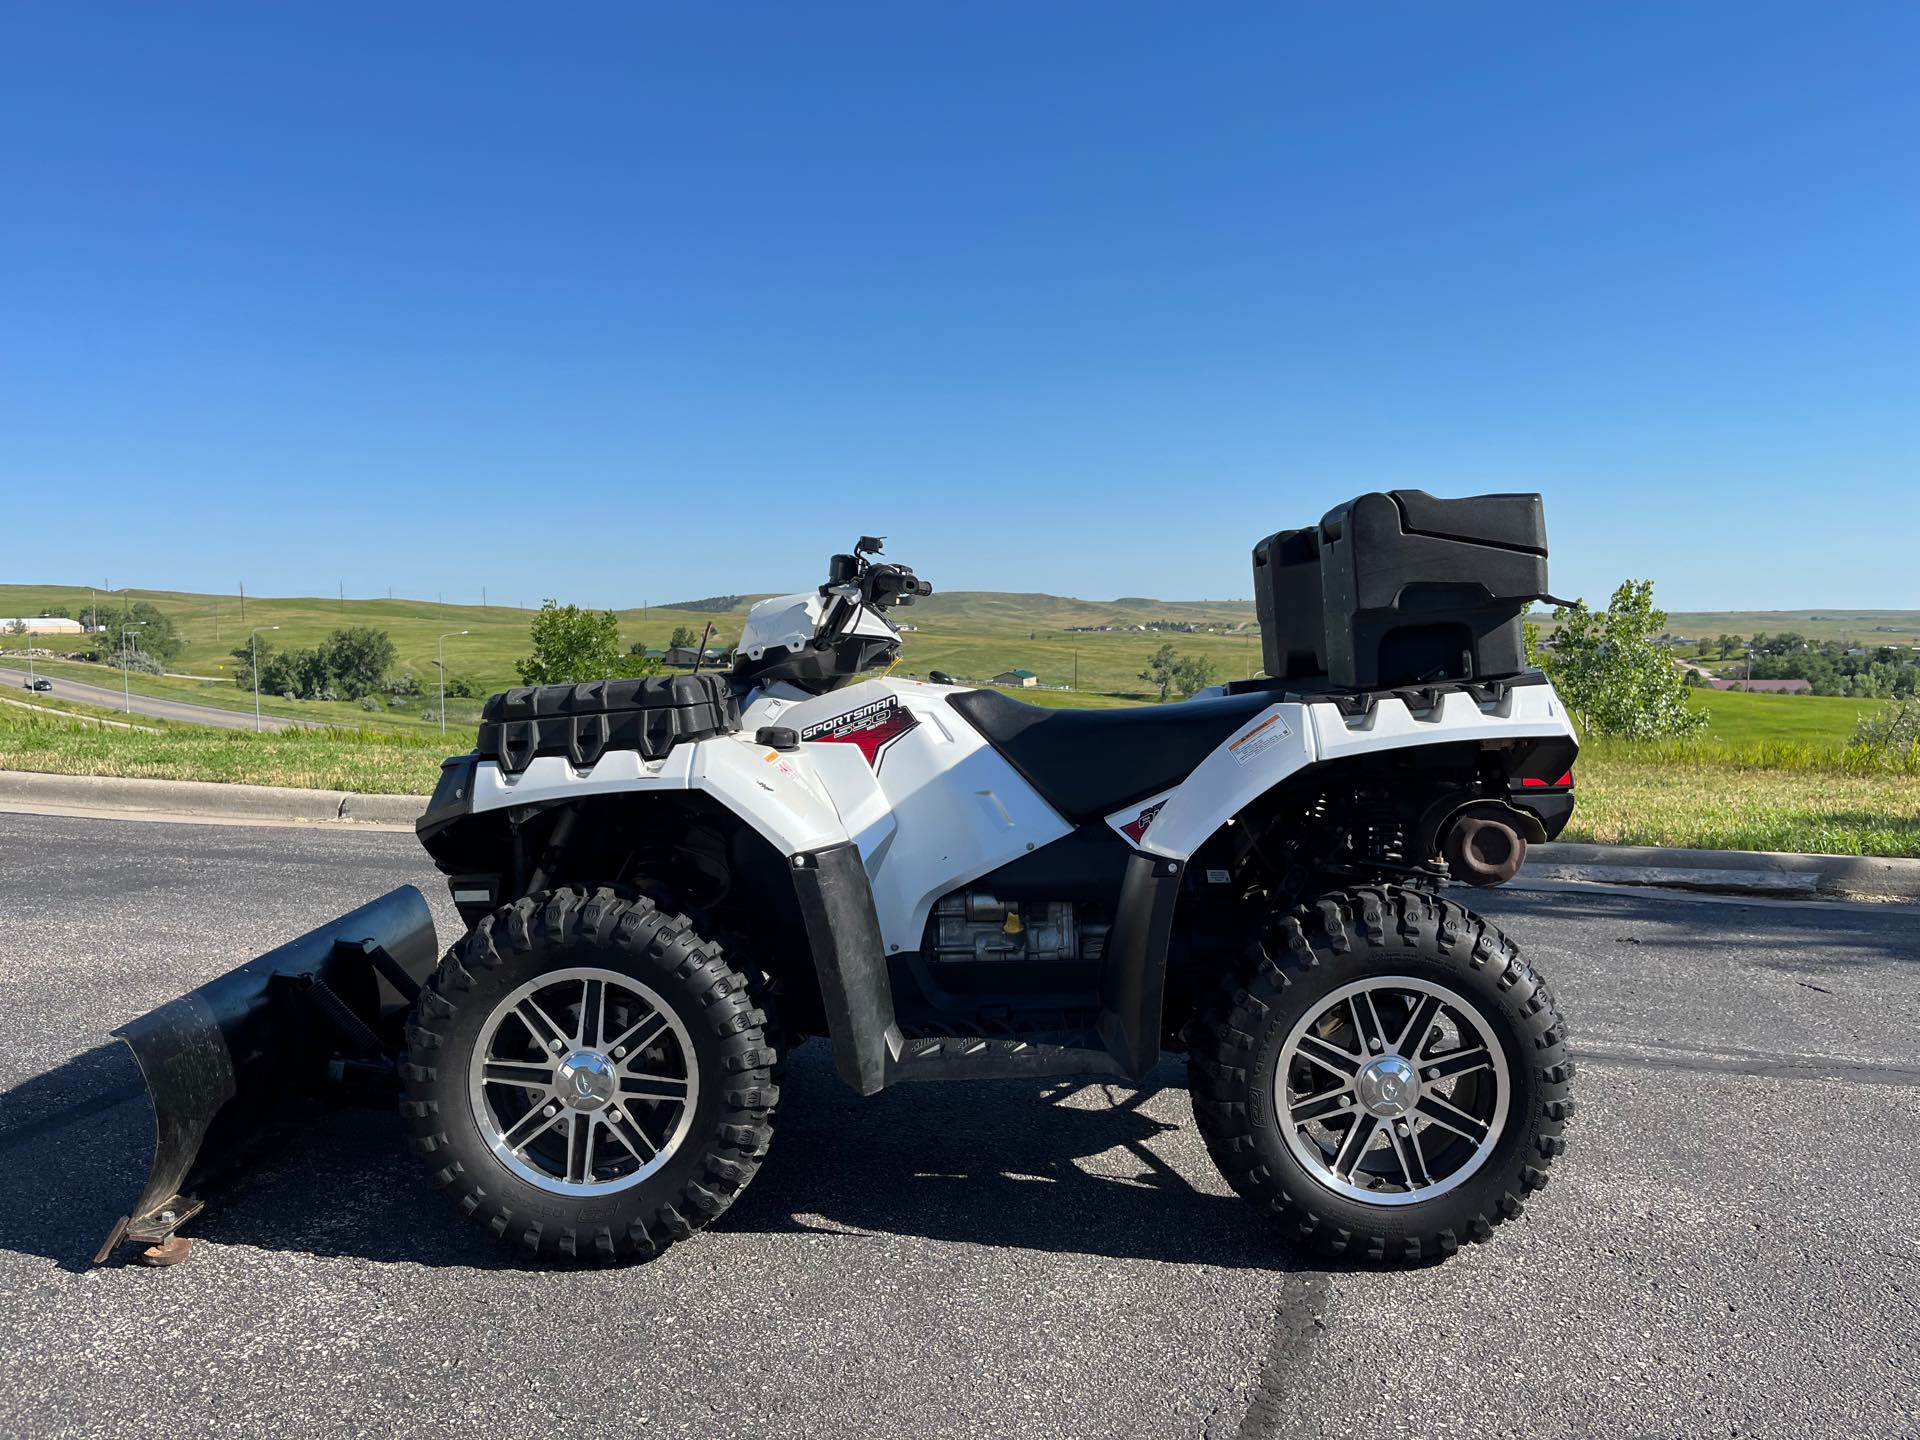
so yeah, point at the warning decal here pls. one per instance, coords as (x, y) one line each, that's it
(1263, 737)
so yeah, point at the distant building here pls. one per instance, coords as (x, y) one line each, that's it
(1766, 687)
(42, 625)
(684, 657)
(1017, 677)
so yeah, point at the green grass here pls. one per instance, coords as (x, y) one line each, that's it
(1772, 798)
(1738, 716)
(366, 762)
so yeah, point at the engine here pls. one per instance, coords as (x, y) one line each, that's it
(973, 925)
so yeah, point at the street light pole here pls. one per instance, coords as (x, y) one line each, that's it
(253, 643)
(443, 675)
(126, 674)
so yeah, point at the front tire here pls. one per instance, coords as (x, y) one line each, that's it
(1385, 1076)
(588, 1077)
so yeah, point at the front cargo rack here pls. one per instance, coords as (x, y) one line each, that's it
(583, 722)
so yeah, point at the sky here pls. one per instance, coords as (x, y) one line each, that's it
(626, 303)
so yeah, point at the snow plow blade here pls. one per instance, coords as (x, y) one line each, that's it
(320, 1018)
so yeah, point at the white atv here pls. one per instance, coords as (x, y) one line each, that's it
(671, 881)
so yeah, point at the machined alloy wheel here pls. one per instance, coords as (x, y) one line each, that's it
(1393, 1090)
(588, 1076)
(1383, 1074)
(582, 1083)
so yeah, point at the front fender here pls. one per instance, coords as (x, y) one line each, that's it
(771, 790)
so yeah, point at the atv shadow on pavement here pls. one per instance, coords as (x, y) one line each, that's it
(1069, 1167)
(1064, 1166)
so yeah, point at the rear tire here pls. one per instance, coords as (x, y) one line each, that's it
(674, 1125)
(1290, 1058)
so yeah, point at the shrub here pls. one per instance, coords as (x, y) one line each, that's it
(1890, 733)
(367, 702)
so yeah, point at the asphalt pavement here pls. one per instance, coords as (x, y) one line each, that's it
(81, 692)
(1731, 1246)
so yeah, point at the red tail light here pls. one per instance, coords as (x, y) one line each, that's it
(1565, 782)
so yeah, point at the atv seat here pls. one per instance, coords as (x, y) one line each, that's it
(1090, 763)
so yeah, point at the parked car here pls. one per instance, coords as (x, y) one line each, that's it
(38, 682)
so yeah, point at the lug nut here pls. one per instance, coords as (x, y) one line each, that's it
(1433, 1072)
(551, 1111)
(555, 1046)
(1346, 1102)
(615, 1116)
(1376, 1043)
(619, 1051)
(1403, 1128)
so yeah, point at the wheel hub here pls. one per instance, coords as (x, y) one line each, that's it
(1388, 1087)
(587, 1081)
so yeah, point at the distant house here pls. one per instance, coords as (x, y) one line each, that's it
(1766, 687)
(1017, 677)
(41, 625)
(684, 657)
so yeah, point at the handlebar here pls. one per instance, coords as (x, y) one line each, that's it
(880, 584)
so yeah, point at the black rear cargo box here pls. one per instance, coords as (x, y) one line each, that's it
(583, 722)
(1399, 588)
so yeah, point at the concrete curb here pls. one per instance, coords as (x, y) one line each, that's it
(1736, 872)
(1726, 872)
(161, 799)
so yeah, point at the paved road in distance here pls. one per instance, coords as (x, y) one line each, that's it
(83, 693)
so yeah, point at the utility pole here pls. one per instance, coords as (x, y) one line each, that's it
(216, 622)
(343, 597)
(243, 602)
(483, 597)
(1076, 669)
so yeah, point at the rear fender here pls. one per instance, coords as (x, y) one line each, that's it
(1288, 737)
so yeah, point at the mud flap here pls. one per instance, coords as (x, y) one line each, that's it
(319, 1018)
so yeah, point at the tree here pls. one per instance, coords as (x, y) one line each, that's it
(683, 636)
(572, 646)
(145, 627)
(357, 659)
(1191, 673)
(1160, 670)
(1612, 673)
(1727, 645)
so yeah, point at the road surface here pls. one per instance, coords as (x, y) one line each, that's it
(83, 693)
(1731, 1247)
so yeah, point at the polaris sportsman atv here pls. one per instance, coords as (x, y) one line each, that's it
(669, 882)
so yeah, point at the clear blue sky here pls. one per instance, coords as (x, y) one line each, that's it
(625, 302)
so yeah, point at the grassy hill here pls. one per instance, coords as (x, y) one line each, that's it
(969, 634)
(975, 634)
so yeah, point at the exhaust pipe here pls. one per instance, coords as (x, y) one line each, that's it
(321, 1017)
(1483, 848)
